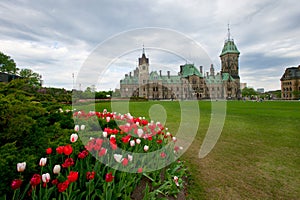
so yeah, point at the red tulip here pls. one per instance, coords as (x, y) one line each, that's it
(109, 177)
(35, 180)
(54, 181)
(125, 162)
(49, 151)
(90, 175)
(15, 184)
(159, 141)
(140, 170)
(163, 154)
(144, 122)
(68, 150)
(73, 176)
(126, 138)
(83, 154)
(68, 162)
(63, 186)
(102, 151)
(60, 150)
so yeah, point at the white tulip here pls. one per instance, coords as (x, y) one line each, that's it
(43, 162)
(21, 166)
(56, 169)
(118, 157)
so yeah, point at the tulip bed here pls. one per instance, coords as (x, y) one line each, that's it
(103, 161)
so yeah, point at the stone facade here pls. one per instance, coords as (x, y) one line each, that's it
(190, 83)
(290, 83)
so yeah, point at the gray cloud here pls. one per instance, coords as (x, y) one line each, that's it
(54, 38)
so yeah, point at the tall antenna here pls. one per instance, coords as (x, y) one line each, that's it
(73, 81)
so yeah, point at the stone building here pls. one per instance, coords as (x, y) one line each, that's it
(290, 83)
(189, 83)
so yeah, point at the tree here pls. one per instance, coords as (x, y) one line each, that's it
(33, 78)
(7, 64)
(248, 92)
(296, 94)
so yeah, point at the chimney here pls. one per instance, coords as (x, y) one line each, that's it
(160, 73)
(130, 74)
(126, 75)
(201, 68)
(168, 74)
(206, 74)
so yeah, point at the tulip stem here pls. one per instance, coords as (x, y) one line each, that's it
(14, 195)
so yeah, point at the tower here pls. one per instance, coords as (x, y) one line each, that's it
(143, 74)
(230, 57)
(230, 68)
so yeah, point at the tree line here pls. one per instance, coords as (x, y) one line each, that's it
(8, 65)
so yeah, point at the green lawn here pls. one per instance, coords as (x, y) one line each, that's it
(256, 157)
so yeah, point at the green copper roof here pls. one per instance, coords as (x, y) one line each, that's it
(189, 70)
(129, 80)
(226, 76)
(217, 79)
(229, 47)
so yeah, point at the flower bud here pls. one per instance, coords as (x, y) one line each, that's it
(21, 167)
(74, 137)
(76, 128)
(104, 134)
(140, 132)
(138, 141)
(56, 169)
(46, 178)
(43, 162)
(132, 143)
(118, 157)
(130, 157)
(82, 127)
(146, 148)
(174, 139)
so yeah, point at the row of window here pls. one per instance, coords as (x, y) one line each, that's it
(287, 83)
(287, 89)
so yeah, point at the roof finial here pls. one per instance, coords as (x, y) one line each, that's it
(228, 32)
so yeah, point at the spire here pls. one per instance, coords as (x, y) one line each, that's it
(143, 49)
(143, 59)
(228, 32)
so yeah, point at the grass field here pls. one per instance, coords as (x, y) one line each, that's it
(256, 157)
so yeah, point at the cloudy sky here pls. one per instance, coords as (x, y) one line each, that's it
(56, 38)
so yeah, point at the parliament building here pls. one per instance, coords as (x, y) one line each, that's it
(190, 82)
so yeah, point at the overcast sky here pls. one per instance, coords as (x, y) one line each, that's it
(55, 38)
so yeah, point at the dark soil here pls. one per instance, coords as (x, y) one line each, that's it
(138, 191)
